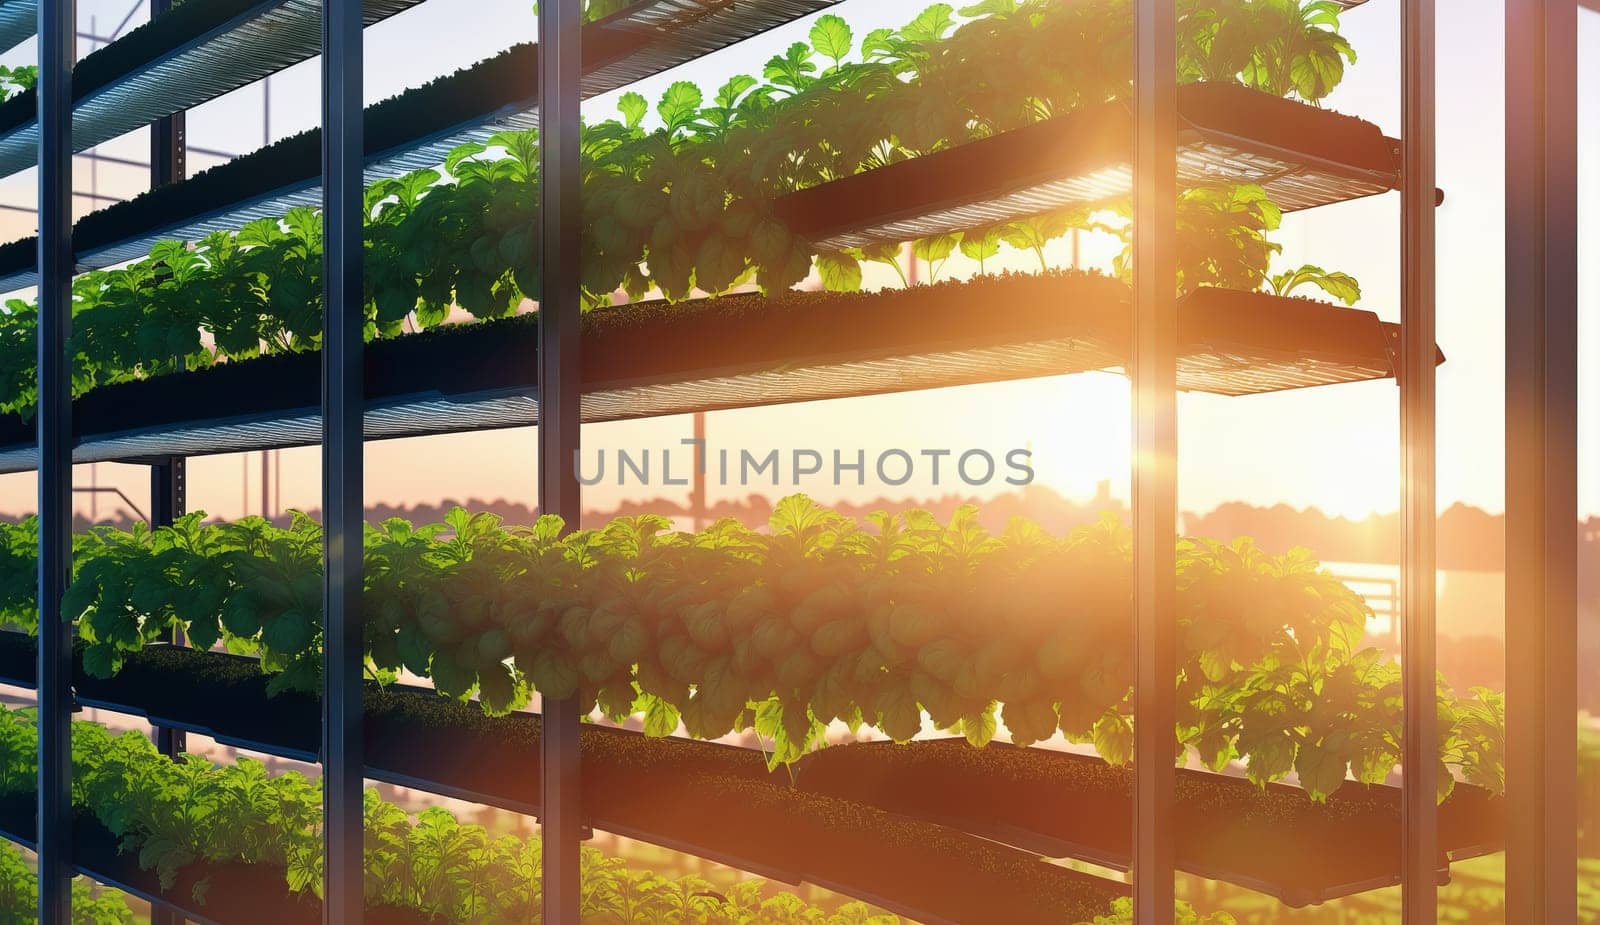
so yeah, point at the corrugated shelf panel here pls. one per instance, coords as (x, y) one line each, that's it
(263, 40)
(636, 43)
(1302, 155)
(652, 359)
(674, 32)
(19, 19)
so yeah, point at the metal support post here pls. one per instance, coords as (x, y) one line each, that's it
(560, 229)
(1541, 460)
(169, 152)
(1419, 758)
(57, 22)
(343, 763)
(168, 164)
(1154, 370)
(167, 504)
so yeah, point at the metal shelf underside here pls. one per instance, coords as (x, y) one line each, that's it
(265, 39)
(1304, 157)
(1207, 797)
(19, 19)
(706, 765)
(1233, 344)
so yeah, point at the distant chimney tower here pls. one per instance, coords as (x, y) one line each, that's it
(1102, 493)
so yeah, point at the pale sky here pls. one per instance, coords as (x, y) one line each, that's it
(1334, 447)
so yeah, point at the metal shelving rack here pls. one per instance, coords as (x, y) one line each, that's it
(1541, 468)
(624, 47)
(263, 39)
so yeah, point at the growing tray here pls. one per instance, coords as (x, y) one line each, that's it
(1276, 842)
(1302, 155)
(652, 359)
(19, 19)
(1036, 801)
(175, 62)
(415, 129)
(712, 801)
(235, 893)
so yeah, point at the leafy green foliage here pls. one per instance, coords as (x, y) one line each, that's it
(1341, 286)
(14, 80)
(685, 207)
(818, 619)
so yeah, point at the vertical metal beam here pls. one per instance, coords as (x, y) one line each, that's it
(560, 230)
(167, 504)
(343, 322)
(698, 506)
(1541, 460)
(57, 22)
(169, 150)
(1154, 369)
(1419, 759)
(168, 164)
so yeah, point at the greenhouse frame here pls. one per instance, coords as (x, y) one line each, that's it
(565, 369)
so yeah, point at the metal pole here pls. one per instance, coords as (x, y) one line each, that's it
(1419, 758)
(168, 147)
(1541, 460)
(167, 500)
(167, 503)
(697, 495)
(343, 321)
(56, 53)
(1154, 368)
(560, 229)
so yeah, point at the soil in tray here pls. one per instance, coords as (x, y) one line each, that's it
(19, 658)
(1227, 827)
(225, 694)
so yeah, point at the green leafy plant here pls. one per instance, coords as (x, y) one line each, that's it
(891, 624)
(1341, 286)
(14, 80)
